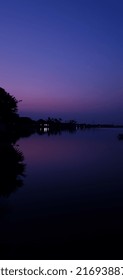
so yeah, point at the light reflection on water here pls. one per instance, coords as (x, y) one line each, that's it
(72, 194)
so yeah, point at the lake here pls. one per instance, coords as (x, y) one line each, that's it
(70, 205)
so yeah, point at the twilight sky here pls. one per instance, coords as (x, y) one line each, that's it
(63, 58)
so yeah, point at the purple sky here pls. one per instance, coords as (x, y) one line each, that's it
(63, 58)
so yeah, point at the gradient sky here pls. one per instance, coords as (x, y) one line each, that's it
(63, 58)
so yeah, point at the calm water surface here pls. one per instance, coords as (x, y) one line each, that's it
(71, 202)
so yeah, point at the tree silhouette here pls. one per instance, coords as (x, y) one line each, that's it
(8, 107)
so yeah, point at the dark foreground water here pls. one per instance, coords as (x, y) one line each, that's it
(71, 203)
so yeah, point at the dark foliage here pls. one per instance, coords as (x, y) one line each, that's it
(8, 107)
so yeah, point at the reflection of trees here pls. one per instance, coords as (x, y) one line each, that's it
(11, 168)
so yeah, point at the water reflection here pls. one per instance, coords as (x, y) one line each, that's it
(12, 168)
(71, 203)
